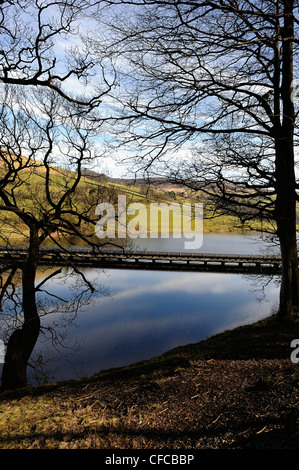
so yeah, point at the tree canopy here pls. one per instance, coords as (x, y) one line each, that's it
(219, 77)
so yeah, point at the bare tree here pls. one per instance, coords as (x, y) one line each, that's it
(40, 200)
(41, 45)
(217, 76)
(51, 88)
(57, 313)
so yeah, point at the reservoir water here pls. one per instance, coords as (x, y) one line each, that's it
(141, 314)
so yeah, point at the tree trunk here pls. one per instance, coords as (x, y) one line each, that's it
(285, 209)
(286, 231)
(285, 212)
(289, 281)
(22, 341)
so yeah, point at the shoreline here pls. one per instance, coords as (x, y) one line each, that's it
(263, 339)
(235, 390)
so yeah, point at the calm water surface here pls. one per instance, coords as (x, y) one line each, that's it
(148, 313)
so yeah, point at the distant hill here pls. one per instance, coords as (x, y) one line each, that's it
(156, 183)
(157, 190)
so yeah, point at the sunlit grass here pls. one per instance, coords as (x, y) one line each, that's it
(31, 196)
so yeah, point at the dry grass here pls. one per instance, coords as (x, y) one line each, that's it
(182, 400)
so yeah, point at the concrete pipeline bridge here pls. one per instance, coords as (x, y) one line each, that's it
(146, 260)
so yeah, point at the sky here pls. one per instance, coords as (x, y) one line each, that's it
(27, 30)
(119, 163)
(110, 165)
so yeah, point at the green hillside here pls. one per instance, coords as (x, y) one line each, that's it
(33, 189)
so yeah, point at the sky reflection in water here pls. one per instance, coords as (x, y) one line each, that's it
(149, 313)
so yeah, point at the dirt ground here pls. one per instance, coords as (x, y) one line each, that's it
(239, 390)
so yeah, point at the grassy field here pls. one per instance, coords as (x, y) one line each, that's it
(31, 195)
(236, 390)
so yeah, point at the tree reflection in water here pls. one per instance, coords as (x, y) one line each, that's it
(79, 294)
